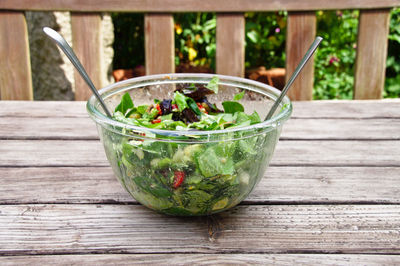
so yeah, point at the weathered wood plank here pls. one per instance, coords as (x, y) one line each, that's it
(365, 109)
(86, 38)
(295, 129)
(48, 128)
(288, 153)
(203, 259)
(15, 64)
(159, 43)
(373, 30)
(192, 5)
(301, 30)
(285, 185)
(49, 229)
(230, 44)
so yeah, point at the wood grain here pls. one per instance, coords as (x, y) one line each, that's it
(192, 5)
(301, 30)
(86, 38)
(81, 128)
(66, 229)
(203, 259)
(372, 44)
(288, 153)
(159, 43)
(283, 185)
(15, 64)
(230, 44)
(353, 109)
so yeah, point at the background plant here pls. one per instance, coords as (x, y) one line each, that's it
(265, 39)
(195, 44)
(334, 60)
(392, 81)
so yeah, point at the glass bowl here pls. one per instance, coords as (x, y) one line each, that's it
(215, 170)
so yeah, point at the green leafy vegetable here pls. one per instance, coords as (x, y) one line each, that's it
(180, 100)
(213, 84)
(142, 109)
(239, 96)
(125, 104)
(193, 105)
(232, 107)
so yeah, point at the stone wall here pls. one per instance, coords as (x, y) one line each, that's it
(52, 72)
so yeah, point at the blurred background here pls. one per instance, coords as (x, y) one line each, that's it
(195, 47)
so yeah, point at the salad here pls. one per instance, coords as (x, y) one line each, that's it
(189, 177)
(189, 109)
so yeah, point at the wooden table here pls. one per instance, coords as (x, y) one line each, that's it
(331, 195)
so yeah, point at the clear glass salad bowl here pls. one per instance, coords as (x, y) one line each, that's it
(189, 172)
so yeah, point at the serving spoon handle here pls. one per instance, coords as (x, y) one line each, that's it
(296, 72)
(62, 43)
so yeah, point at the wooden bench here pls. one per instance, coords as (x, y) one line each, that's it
(15, 69)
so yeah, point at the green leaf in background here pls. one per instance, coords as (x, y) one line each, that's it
(213, 84)
(232, 107)
(180, 100)
(239, 96)
(125, 104)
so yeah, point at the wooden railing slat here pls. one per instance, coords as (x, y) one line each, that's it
(86, 39)
(372, 45)
(193, 5)
(301, 30)
(15, 64)
(159, 43)
(230, 44)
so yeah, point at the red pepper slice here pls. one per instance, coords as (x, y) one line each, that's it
(159, 109)
(174, 106)
(155, 121)
(179, 176)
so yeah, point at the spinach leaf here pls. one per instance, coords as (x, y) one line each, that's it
(239, 96)
(232, 107)
(180, 100)
(125, 104)
(213, 84)
(193, 105)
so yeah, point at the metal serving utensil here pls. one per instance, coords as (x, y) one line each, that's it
(62, 43)
(296, 72)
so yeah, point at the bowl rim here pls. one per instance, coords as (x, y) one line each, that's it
(100, 118)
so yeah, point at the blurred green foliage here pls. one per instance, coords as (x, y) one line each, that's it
(392, 81)
(195, 41)
(334, 59)
(265, 39)
(195, 44)
(128, 40)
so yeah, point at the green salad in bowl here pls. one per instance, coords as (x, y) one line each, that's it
(189, 144)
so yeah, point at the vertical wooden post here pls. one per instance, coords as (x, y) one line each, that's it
(230, 44)
(15, 64)
(86, 40)
(373, 30)
(301, 30)
(159, 43)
